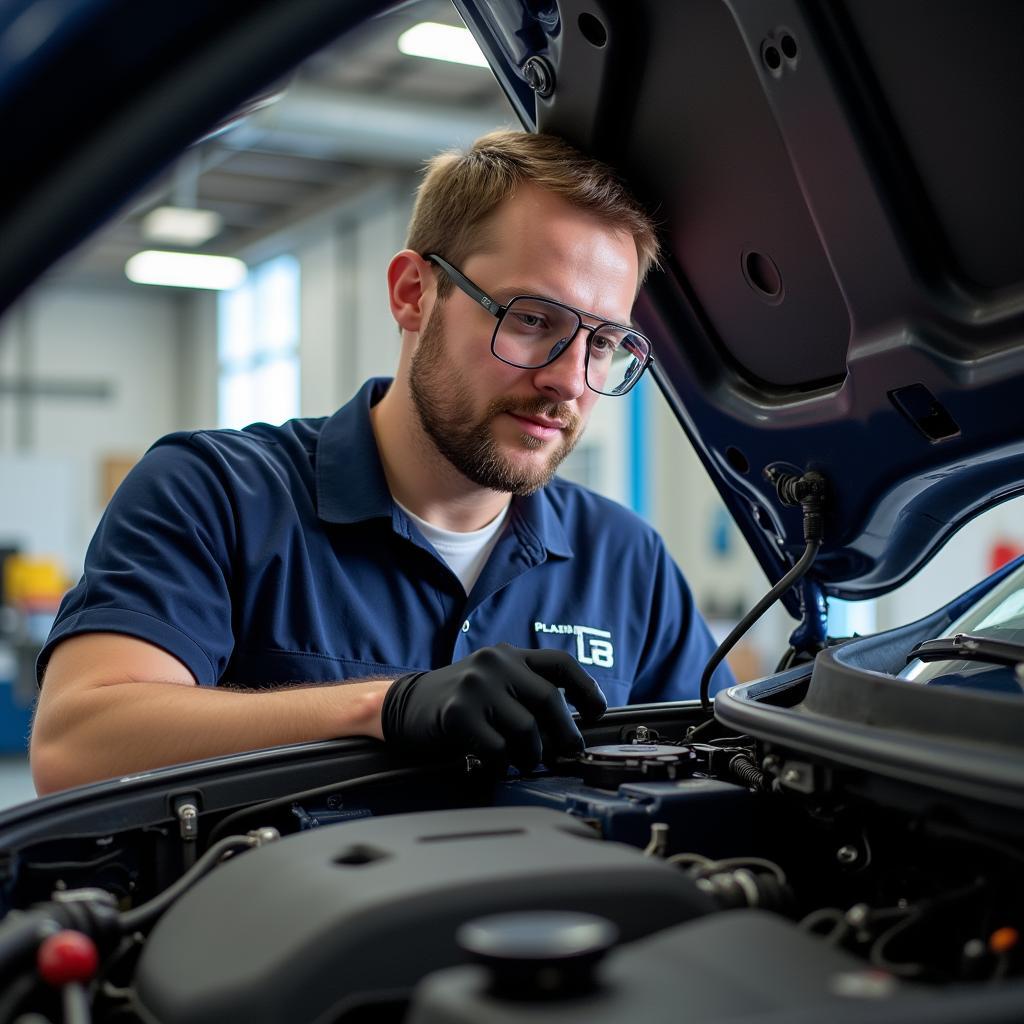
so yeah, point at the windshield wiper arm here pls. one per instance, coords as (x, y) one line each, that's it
(968, 647)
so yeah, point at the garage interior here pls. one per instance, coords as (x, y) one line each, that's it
(311, 190)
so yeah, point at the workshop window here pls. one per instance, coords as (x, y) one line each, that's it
(258, 346)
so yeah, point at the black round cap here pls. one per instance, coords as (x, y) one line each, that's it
(539, 954)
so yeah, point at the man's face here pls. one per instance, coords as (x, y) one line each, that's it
(502, 427)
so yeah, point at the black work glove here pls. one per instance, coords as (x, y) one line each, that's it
(498, 703)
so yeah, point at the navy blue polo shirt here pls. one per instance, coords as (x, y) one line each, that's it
(276, 555)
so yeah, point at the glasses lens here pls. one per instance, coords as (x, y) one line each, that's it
(617, 357)
(532, 332)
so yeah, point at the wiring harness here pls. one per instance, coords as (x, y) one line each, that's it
(809, 492)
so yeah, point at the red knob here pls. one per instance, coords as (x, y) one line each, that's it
(67, 957)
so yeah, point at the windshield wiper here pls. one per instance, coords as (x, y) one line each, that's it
(968, 647)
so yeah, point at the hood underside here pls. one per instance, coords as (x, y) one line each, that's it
(839, 188)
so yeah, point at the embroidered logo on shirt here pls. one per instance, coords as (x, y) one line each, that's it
(593, 646)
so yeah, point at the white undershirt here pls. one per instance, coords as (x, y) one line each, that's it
(465, 553)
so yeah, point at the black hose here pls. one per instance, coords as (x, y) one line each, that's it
(786, 661)
(231, 821)
(20, 935)
(141, 916)
(793, 576)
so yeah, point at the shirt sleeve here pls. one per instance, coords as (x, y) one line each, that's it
(679, 643)
(159, 565)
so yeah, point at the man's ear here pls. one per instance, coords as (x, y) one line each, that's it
(412, 290)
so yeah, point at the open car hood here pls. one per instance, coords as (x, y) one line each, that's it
(839, 187)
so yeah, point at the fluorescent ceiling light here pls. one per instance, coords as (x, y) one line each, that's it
(185, 270)
(442, 42)
(178, 225)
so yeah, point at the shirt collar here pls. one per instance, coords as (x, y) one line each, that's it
(351, 486)
(537, 515)
(350, 482)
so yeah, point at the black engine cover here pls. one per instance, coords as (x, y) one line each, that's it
(332, 916)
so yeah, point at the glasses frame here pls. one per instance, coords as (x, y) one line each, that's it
(498, 311)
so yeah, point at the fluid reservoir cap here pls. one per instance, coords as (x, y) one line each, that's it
(537, 935)
(612, 765)
(540, 954)
(633, 751)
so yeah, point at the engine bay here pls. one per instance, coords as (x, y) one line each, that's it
(735, 874)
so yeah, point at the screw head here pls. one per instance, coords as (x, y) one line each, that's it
(857, 916)
(847, 854)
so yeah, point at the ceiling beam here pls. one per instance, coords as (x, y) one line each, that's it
(358, 128)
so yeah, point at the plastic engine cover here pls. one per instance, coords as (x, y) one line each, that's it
(320, 919)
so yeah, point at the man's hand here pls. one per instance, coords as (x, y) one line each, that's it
(499, 703)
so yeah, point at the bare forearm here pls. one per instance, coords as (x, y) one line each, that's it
(119, 728)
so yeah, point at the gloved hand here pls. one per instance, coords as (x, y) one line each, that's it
(498, 703)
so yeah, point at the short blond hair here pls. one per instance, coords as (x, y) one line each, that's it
(460, 191)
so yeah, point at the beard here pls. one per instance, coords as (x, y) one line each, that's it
(443, 397)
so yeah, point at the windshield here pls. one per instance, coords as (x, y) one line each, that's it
(998, 615)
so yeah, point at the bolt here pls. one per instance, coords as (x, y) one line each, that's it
(658, 844)
(791, 775)
(643, 734)
(847, 854)
(333, 803)
(857, 915)
(267, 834)
(188, 821)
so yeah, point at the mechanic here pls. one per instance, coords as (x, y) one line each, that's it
(413, 545)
